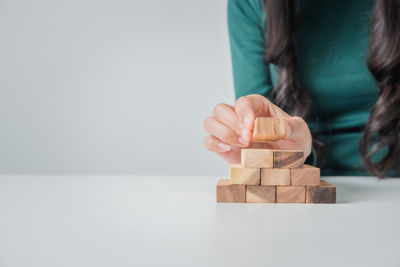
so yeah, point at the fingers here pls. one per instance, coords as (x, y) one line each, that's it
(226, 114)
(229, 153)
(231, 128)
(215, 145)
(222, 132)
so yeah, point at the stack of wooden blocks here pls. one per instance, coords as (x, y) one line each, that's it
(273, 176)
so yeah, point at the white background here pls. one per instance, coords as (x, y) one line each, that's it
(111, 87)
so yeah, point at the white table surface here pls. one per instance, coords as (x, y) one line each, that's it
(175, 221)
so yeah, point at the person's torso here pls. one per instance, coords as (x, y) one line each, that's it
(332, 46)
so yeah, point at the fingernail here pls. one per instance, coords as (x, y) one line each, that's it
(243, 141)
(224, 147)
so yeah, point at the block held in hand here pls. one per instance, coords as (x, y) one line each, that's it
(267, 129)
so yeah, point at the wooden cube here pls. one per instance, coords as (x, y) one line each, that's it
(308, 175)
(324, 193)
(275, 176)
(227, 192)
(260, 194)
(257, 158)
(242, 175)
(267, 129)
(290, 194)
(288, 158)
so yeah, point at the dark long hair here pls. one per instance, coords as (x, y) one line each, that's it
(382, 131)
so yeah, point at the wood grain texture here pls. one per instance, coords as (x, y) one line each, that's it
(267, 129)
(260, 194)
(290, 194)
(308, 175)
(243, 175)
(227, 192)
(288, 158)
(257, 158)
(275, 176)
(324, 193)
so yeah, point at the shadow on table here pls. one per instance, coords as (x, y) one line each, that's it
(360, 192)
(351, 193)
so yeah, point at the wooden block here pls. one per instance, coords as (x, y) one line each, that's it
(308, 175)
(257, 158)
(324, 193)
(290, 194)
(267, 129)
(288, 158)
(227, 192)
(275, 176)
(260, 194)
(242, 175)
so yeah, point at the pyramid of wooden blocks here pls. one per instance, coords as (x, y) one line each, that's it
(274, 176)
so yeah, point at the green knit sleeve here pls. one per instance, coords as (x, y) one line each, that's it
(246, 25)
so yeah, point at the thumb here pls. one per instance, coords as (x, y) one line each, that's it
(296, 128)
(247, 108)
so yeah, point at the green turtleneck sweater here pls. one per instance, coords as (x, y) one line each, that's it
(332, 47)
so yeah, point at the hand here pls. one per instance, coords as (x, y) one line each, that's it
(231, 128)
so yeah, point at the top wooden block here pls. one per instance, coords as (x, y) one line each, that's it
(267, 129)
